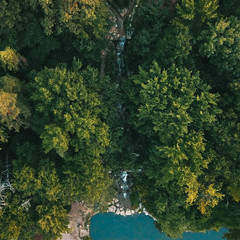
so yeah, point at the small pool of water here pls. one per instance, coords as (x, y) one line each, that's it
(108, 226)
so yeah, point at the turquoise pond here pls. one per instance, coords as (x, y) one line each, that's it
(107, 226)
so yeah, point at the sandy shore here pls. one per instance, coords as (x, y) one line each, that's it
(79, 218)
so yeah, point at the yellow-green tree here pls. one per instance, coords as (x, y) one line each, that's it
(68, 110)
(174, 110)
(14, 111)
(10, 59)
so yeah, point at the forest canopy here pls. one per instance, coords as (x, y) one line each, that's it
(92, 88)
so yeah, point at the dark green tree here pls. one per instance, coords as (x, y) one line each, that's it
(46, 31)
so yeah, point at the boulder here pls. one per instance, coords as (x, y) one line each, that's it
(128, 212)
(112, 209)
(123, 213)
(118, 212)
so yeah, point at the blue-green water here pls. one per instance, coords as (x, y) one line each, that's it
(107, 226)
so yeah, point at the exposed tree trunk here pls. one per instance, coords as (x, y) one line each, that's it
(121, 18)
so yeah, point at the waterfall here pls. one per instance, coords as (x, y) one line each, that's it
(124, 185)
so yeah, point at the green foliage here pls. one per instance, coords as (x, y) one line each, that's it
(75, 15)
(220, 44)
(13, 218)
(176, 219)
(10, 16)
(69, 110)
(175, 46)
(178, 122)
(173, 110)
(148, 24)
(48, 30)
(37, 204)
(225, 137)
(54, 138)
(9, 59)
(53, 220)
(14, 111)
(86, 179)
(70, 120)
(229, 8)
(3, 135)
(175, 123)
(171, 99)
(233, 234)
(122, 3)
(203, 10)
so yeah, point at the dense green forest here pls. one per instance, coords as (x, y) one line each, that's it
(69, 121)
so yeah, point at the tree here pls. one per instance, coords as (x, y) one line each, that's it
(14, 111)
(147, 26)
(70, 119)
(69, 110)
(175, 46)
(173, 110)
(3, 135)
(219, 43)
(87, 179)
(10, 59)
(62, 28)
(229, 8)
(225, 139)
(38, 203)
(202, 10)
(13, 218)
(233, 234)
(174, 122)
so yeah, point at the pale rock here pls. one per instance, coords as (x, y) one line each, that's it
(118, 212)
(83, 233)
(112, 209)
(123, 213)
(128, 212)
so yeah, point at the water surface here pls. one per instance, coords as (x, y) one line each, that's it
(108, 226)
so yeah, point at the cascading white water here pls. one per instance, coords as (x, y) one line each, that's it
(124, 185)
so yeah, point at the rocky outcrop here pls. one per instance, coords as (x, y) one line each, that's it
(119, 207)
